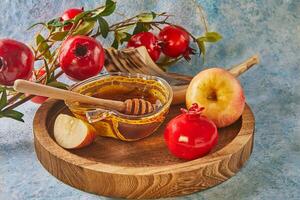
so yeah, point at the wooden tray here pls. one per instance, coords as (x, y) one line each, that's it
(141, 169)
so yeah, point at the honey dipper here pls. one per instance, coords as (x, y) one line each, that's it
(130, 106)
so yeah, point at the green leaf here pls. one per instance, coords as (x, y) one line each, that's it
(122, 37)
(3, 100)
(81, 16)
(48, 75)
(95, 14)
(38, 23)
(12, 114)
(125, 28)
(43, 46)
(126, 38)
(58, 85)
(210, 37)
(115, 43)
(104, 27)
(51, 21)
(146, 17)
(153, 14)
(140, 27)
(110, 7)
(58, 36)
(66, 22)
(57, 23)
(9, 90)
(201, 46)
(84, 28)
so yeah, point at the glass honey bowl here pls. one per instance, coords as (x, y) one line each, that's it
(122, 86)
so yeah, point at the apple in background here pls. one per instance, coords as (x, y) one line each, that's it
(220, 93)
(73, 133)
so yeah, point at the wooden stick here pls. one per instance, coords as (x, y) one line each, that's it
(244, 66)
(56, 93)
(179, 94)
(180, 91)
(18, 103)
(130, 106)
(14, 98)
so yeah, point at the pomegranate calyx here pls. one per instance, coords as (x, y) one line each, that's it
(194, 110)
(80, 50)
(160, 44)
(189, 51)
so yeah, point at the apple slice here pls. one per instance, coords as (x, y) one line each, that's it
(73, 133)
(220, 93)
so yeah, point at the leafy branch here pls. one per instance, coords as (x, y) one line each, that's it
(92, 23)
(46, 49)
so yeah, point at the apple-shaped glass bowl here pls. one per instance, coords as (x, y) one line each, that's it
(121, 86)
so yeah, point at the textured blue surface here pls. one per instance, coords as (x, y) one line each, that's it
(269, 27)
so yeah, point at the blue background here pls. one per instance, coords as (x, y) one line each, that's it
(268, 27)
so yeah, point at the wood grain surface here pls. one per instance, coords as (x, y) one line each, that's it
(141, 169)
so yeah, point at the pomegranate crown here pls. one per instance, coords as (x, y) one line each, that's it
(194, 110)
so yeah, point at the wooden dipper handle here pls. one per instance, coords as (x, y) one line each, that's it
(130, 106)
(244, 66)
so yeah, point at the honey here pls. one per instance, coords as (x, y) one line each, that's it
(121, 87)
(124, 93)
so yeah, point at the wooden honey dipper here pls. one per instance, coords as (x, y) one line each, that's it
(129, 107)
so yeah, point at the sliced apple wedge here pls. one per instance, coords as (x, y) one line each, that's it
(73, 133)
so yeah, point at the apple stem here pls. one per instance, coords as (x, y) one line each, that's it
(244, 66)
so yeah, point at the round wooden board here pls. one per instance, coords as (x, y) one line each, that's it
(141, 169)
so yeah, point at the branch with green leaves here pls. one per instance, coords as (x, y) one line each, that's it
(92, 23)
